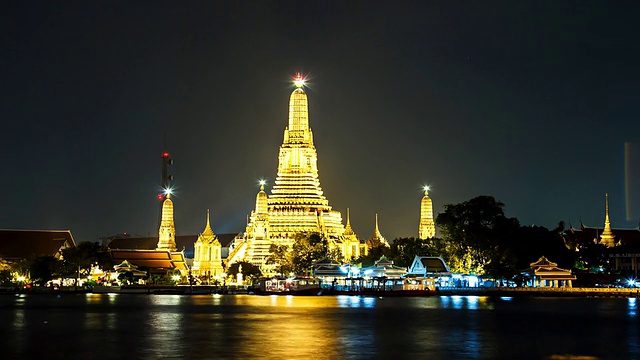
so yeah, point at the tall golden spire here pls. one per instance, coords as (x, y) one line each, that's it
(296, 203)
(347, 229)
(427, 228)
(607, 237)
(207, 229)
(296, 194)
(167, 231)
(261, 200)
(377, 239)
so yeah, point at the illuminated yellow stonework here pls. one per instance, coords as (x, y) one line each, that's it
(207, 257)
(427, 228)
(350, 246)
(167, 231)
(607, 237)
(296, 203)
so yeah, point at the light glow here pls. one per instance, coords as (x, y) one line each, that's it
(168, 191)
(426, 188)
(298, 80)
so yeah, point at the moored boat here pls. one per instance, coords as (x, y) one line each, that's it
(287, 286)
(383, 287)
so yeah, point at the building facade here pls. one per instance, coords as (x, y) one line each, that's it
(207, 256)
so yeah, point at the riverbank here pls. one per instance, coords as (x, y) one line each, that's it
(226, 290)
(552, 292)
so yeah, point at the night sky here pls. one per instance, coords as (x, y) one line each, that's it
(530, 102)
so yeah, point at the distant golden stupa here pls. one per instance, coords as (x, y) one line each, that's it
(427, 229)
(167, 231)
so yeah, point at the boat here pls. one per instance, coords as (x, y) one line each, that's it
(382, 286)
(287, 286)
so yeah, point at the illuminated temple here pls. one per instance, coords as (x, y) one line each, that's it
(296, 203)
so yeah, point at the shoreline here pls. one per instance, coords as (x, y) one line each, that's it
(213, 290)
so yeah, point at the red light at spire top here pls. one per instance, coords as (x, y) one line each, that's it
(165, 154)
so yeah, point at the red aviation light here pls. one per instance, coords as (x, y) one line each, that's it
(160, 196)
(165, 154)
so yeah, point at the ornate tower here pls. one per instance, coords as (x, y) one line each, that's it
(296, 196)
(607, 237)
(258, 227)
(351, 246)
(167, 231)
(376, 239)
(207, 258)
(427, 228)
(296, 203)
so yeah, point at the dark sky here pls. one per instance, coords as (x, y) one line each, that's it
(530, 102)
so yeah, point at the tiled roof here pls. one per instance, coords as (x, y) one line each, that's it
(185, 242)
(153, 259)
(20, 244)
(434, 264)
(622, 236)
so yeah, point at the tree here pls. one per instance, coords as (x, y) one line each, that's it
(477, 235)
(78, 260)
(281, 257)
(404, 250)
(305, 250)
(373, 255)
(44, 269)
(249, 271)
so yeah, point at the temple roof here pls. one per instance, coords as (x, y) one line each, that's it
(547, 270)
(542, 262)
(588, 234)
(149, 243)
(158, 260)
(432, 264)
(20, 244)
(348, 231)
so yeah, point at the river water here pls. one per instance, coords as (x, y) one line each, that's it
(109, 326)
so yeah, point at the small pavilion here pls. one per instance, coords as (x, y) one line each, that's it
(384, 267)
(544, 273)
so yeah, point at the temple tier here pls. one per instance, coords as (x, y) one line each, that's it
(296, 203)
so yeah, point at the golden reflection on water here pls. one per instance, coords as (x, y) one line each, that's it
(314, 327)
(293, 332)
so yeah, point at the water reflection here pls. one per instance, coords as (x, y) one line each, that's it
(318, 327)
(345, 301)
(466, 302)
